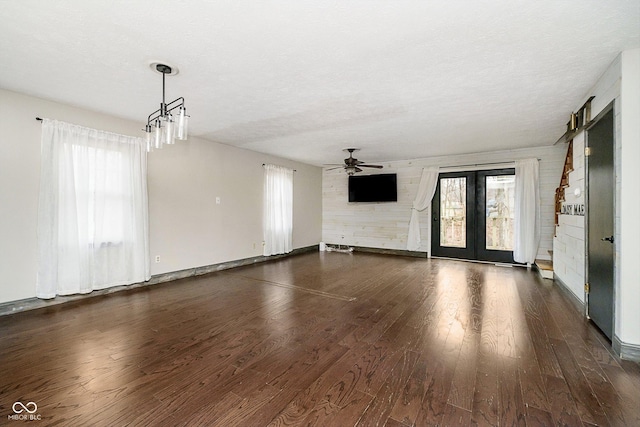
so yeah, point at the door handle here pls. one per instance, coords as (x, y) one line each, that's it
(607, 239)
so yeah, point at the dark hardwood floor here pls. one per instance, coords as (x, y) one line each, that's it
(324, 339)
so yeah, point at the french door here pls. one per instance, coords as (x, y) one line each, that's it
(472, 215)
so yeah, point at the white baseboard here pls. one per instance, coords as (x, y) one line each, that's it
(625, 350)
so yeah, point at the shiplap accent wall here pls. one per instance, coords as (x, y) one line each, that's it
(385, 225)
(568, 245)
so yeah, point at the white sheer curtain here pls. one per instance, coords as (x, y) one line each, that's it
(426, 190)
(92, 218)
(527, 214)
(278, 209)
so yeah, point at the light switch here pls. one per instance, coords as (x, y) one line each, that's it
(217, 200)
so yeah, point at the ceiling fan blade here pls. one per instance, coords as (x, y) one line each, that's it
(371, 166)
(358, 169)
(339, 167)
(332, 164)
(357, 162)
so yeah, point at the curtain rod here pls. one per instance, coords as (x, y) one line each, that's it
(39, 119)
(479, 164)
(295, 170)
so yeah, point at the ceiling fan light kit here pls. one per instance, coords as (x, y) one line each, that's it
(162, 127)
(353, 165)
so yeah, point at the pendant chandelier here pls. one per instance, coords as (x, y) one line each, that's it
(162, 127)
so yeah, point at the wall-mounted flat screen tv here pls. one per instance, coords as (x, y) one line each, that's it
(373, 188)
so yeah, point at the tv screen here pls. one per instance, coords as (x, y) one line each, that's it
(373, 188)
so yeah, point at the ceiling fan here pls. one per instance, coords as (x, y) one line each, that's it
(351, 164)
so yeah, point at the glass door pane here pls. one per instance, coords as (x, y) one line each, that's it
(453, 220)
(495, 196)
(499, 211)
(453, 212)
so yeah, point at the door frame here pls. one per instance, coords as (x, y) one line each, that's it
(609, 108)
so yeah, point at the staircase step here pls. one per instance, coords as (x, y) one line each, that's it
(545, 268)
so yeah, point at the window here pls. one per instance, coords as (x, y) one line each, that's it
(93, 222)
(101, 194)
(278, 210)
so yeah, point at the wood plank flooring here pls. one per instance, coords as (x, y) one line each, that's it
(323, 339)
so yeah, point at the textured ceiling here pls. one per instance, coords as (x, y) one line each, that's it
(304, 79)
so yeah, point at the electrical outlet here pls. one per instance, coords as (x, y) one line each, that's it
(157, 258)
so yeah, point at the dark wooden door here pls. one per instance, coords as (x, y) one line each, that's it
(600, 225)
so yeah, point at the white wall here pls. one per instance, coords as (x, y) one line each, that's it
(628, 297)
(187, 228)
(385, 225)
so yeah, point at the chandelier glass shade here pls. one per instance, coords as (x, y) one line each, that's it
(162, 126)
